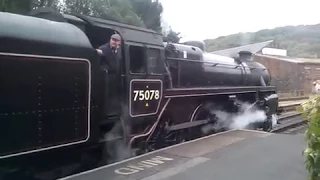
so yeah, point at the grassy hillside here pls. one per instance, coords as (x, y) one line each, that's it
(300, 41)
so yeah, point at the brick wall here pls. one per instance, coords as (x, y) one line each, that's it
(283, 73)
(289, 76)
(309, 72)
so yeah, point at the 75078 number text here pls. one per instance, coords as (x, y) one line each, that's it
(146, 95)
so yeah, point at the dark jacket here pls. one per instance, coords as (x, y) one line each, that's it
(110, 58)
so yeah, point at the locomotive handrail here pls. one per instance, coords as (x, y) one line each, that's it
(223, 87)
(214, 64)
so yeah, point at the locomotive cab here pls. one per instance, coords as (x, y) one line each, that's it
(111, 73)
(135, 90)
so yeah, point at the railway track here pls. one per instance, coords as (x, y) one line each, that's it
(289, 108)
(290, 122)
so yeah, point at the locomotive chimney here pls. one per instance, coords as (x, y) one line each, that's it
(245, 56)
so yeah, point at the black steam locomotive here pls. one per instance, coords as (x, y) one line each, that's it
(60, 114)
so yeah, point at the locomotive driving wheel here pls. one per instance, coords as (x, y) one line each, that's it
(162, 137)
(203, 112)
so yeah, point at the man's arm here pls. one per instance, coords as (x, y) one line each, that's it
(102, 50)
(103, 53)
(99, 51)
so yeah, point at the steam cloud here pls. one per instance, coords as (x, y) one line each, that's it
(245, 39)
(248, 114)
(115, 146)
(243, 119)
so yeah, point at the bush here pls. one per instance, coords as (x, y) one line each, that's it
(311, 111)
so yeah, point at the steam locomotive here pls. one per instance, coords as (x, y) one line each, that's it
(59, 108)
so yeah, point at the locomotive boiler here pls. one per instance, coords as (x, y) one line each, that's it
(58, 105)
(200, 69)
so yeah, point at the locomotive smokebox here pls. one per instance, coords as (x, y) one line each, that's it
(245, 56)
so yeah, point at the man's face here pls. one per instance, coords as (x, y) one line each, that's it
(114, 43)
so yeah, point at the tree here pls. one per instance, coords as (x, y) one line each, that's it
(150, 13)
(299, 41)
(78, 6)
(173, 36)
(125, 10)
(54, 4)
(142, 13)
(25, 6)
(311, 111)
(115, 10)
(16, 6)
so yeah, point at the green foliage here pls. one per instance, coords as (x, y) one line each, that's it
(24, 6)
(54, 4)
(300, 41)
(16, 6)
(117, 10)
(78, 6)
(172, 36)
(142, 13)
(150, 12)
(311, 111)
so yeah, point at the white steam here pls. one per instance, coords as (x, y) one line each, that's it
(116, 148)
(242, 121)
(274, 119)
(247, 115)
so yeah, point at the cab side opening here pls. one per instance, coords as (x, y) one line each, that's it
(110, 76)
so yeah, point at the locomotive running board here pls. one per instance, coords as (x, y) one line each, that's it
(191, 92)
(188, 125)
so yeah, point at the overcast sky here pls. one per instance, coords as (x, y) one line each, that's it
(202, 19)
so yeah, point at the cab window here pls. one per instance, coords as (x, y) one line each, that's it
(137, 60)
(154, 61)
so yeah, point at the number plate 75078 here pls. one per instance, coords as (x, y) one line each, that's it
(145, 97)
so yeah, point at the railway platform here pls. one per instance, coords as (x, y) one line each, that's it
(234, 154)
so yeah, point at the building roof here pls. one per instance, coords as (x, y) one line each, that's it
(234, 52)
(291, 59)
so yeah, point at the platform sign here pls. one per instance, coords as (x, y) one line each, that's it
(145, 97)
